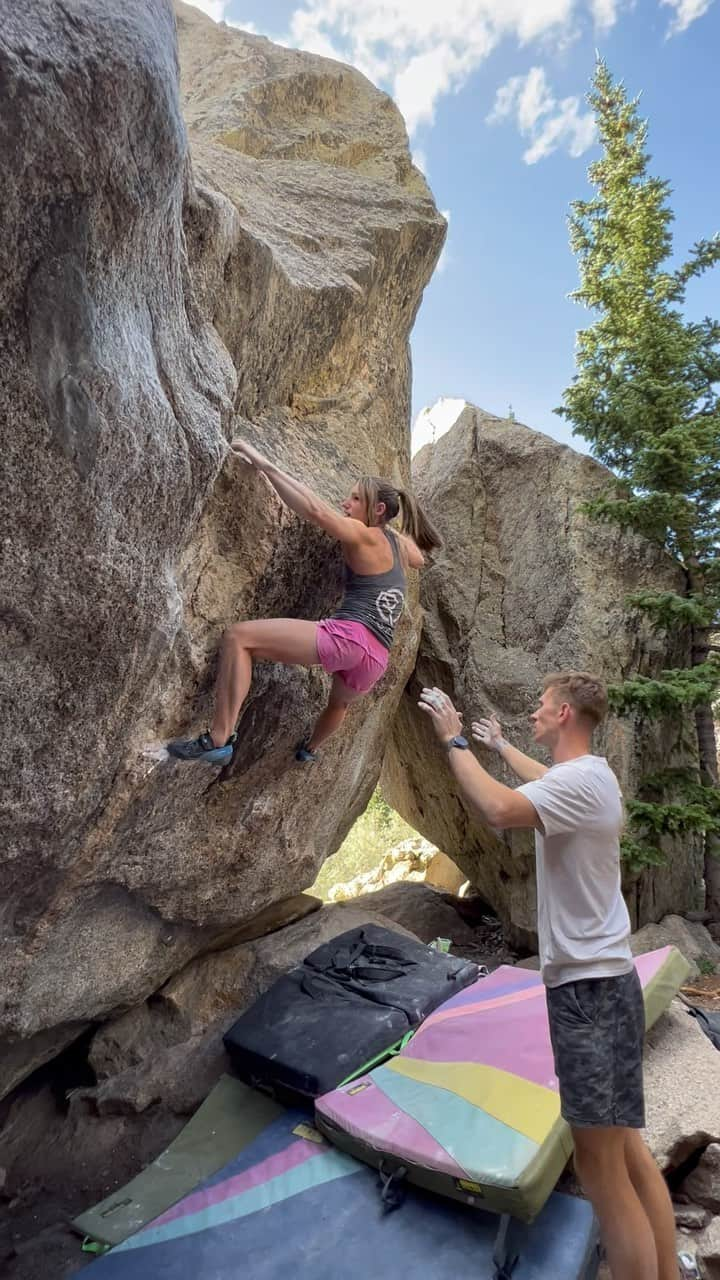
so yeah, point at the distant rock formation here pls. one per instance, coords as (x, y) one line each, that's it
(414, 860)
(527, 584)
(154, 302)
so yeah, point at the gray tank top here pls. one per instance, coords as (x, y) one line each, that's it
(375, 599)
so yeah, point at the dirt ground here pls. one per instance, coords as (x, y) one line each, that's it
(704, 992)
(59, 1163)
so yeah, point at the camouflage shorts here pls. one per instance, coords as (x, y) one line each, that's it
(597, 1026)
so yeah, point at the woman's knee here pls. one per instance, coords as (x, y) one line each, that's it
(236, 636)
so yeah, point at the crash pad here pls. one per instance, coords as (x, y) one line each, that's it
(470, 1106)
(292, 1205)
(228, 1120)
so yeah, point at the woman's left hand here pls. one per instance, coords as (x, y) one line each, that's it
(446, 720)
(249, 454)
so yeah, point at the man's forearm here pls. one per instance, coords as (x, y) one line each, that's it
(524, 766)
(483, 792)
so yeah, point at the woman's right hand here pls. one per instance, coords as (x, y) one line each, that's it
(488, 733)
(249, 454)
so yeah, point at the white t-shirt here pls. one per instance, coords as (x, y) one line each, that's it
(583, 923)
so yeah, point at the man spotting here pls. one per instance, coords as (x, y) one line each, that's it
(594, 998)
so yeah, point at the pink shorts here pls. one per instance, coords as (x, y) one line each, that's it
(351, 651)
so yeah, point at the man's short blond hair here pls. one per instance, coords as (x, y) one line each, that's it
(585, 692)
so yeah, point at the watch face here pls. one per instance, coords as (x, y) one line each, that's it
(461, 742)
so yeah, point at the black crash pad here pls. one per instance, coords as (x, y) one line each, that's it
(349, 1002)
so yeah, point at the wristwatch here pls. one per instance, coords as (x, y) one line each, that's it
(458, 741)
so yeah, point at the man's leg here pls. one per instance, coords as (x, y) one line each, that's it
(601, 1166)
(654, 1197)
(597, 1028)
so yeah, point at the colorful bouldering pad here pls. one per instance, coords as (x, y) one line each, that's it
(229, 1119)
(292, 1205)
(470, 1106)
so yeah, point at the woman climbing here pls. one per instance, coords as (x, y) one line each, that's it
(352, 645)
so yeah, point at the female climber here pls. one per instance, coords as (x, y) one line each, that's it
(352, 645)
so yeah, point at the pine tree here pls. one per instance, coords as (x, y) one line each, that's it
(646, 397)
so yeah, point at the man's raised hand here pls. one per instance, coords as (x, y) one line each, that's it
(488, 733)
(445, 719)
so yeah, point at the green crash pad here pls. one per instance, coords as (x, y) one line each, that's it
(229, 1119)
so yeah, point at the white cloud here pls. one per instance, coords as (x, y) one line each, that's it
(215, 9)
(419, 159)
(534, 99)
(421, 50)
(425, 78)
(547, 123)
(686, 12)
(305, 33)
(434, 421)
(605, 13)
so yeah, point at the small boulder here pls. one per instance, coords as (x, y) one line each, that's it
(690, 1217)
(422, 909)
(703, 1184)
(707, 1246)
(442, 873)
(691, 939)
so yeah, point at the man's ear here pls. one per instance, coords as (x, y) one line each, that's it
(564, 711)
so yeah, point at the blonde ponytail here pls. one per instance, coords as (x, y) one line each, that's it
(414, 521)
(417, 524)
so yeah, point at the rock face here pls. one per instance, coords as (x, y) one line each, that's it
(170, 1048)
(150, 307)
(526, 585)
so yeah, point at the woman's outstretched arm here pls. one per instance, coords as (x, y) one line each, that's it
(301, 499)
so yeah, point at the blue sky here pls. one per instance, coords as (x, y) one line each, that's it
(493, 95)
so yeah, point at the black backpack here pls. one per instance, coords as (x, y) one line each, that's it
(709, 1022)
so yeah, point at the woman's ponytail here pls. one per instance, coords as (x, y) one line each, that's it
(416, 523)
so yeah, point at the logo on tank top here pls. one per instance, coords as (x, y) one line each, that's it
(389, 605)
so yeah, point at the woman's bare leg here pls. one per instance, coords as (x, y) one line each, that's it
(288, 640)
(334, 714)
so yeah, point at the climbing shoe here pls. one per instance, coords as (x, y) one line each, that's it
(202, 748)
(303, 753)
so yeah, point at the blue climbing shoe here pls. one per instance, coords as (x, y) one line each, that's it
(201, 748)
(303, 754)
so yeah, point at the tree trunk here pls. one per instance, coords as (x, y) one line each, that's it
(709, 776)
(707, 748)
